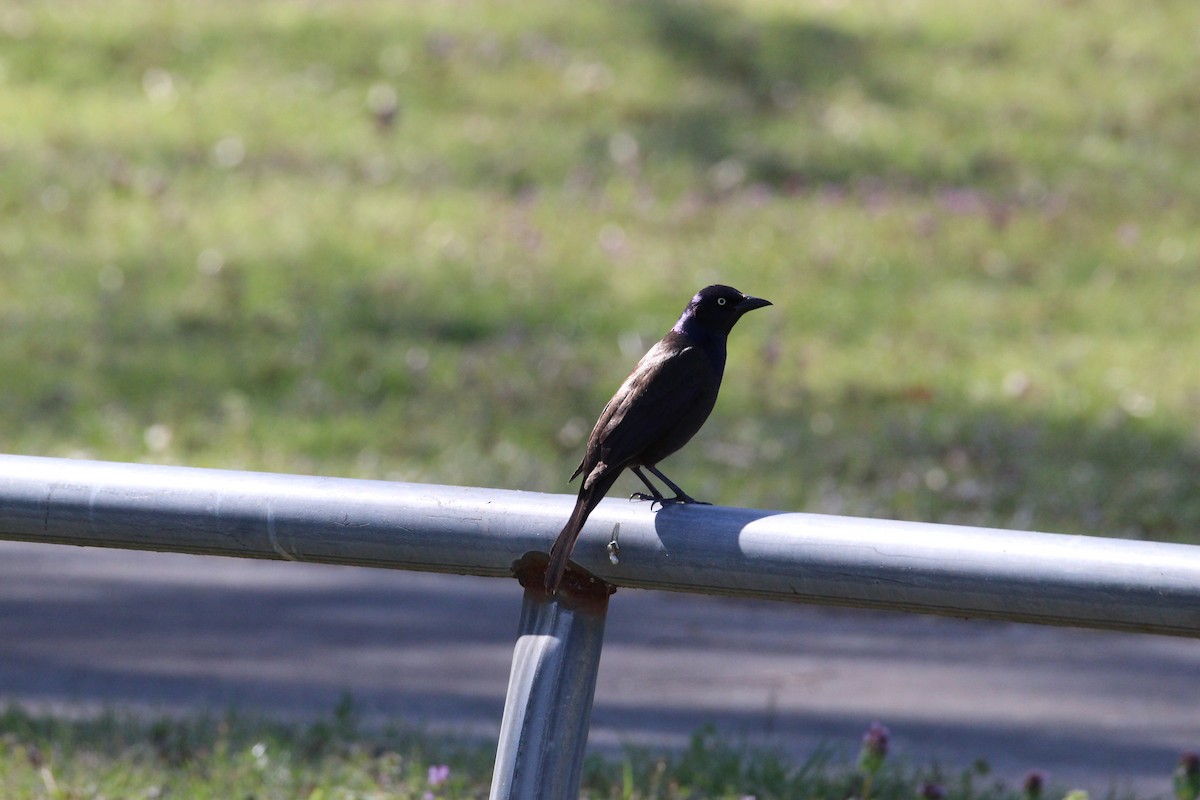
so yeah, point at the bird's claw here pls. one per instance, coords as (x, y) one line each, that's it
(683, 500)
(663, 502)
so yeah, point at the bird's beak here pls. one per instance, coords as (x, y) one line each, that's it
(749, 303)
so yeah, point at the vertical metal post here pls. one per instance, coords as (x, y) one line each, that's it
(550, 690)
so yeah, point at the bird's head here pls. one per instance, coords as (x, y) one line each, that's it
(718, 308)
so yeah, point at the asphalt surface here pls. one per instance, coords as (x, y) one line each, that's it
(85, 629)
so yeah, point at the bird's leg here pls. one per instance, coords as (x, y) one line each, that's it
(680, 495)
(655, 495)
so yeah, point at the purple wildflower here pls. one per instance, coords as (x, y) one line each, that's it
(876, 739)
(439, 774)
(874, 748)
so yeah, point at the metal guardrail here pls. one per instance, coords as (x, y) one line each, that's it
(937, 569)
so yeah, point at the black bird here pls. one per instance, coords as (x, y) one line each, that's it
(657, 410)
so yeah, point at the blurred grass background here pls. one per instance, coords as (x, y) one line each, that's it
(425, 241)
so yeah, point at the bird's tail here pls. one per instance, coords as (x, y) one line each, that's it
(589, 497)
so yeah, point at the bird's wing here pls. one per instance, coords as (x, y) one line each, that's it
(656, 400)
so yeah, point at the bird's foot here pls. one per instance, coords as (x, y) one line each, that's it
(662, 501)
(682, 499)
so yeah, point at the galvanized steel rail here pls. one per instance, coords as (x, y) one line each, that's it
(937, 569)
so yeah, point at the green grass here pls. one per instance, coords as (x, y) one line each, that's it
(978, 229)
(257, 759)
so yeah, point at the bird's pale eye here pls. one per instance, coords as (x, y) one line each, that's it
(720, 301)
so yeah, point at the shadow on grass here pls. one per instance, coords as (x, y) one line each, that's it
(933, 460)
(763, 71)
(760, 60)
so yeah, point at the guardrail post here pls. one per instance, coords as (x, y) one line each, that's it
(551, 686)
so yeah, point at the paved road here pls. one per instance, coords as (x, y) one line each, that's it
(87, 629)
